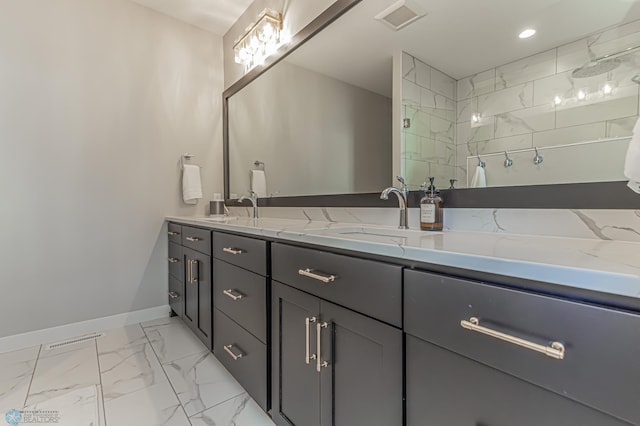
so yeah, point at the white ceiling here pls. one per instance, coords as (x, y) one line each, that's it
(458, 37)
(215, 16)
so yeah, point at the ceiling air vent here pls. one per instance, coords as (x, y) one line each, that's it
(401, 14)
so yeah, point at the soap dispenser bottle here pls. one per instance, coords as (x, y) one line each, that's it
(431, 209)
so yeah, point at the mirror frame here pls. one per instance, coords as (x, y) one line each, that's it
(592, 195)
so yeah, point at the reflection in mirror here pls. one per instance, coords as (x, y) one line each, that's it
(467, 87)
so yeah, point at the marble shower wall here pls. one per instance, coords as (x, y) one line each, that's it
(535, 102)
(428, 144)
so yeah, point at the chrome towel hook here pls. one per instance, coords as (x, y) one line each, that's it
(185, 157)
(508, 162)
(480, 162)
(538, 158)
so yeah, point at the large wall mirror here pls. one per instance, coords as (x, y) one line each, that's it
(452, 90)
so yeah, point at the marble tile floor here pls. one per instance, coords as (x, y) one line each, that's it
(154, 373)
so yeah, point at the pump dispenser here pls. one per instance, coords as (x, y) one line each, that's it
(431, 209)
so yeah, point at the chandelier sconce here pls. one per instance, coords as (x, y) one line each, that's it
(259, 40)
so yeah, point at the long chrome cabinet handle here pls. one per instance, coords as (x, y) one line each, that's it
(173, 295)
(319, 363)
(307, 356)
(173, 233)
(555, 350)
(230, 293)
(194, 278)
(173, 260)
(193, 239)
(232, 250)
(316, 276)
(189, 270)
(230, 352)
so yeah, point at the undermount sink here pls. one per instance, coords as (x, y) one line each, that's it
(374, 233)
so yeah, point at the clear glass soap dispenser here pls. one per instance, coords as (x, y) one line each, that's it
(431, 209)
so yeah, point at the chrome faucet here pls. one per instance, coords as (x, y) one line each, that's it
(402, 195)
(253, 197)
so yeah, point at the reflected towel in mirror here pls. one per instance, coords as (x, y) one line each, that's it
(259, 183)
(191, 184)
(479, 179)
(632, 161)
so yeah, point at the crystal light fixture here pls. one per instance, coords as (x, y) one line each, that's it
(259, 40)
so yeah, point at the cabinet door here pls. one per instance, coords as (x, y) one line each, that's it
(362, 381)
(444, 388)
(198, 301)
(296, 383)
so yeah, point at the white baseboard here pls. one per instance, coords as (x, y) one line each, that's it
(37, 337)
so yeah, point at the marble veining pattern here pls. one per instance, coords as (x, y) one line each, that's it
(131, 386)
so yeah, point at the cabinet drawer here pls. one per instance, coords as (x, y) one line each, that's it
(176, 296)
(245, 356)
(242, 295)
(444, 388)
(370, 287)
(247, 253)
(197, 239)
(175, 232)
(602, 346)
(176, 261)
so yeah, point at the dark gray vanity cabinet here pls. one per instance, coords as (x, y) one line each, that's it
(473, 357)
(190, 295)
(330, 364)
(241, 321)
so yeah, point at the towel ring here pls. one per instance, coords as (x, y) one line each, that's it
(185, 157)
(259, 164)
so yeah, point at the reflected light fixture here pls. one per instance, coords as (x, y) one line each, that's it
(527, 33)
(259, 40)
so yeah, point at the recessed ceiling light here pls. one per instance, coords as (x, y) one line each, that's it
(527, 33)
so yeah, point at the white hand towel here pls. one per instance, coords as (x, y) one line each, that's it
(191, 184)
(259, 183)
(479, 179)
(632, 161)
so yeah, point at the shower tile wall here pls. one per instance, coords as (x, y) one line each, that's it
(531, 102)
(429, 147)
(534, 102)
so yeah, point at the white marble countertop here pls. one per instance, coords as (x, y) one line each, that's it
(611, 267)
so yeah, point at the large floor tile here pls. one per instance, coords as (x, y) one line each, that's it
(118, 338)
(129, 369)
(16, 370)
(80, 407)
(201, 382)
(153, 406)
(174, 341)
(62, 370)
(161, 322)
(239, 411)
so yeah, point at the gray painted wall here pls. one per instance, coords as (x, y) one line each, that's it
(324, 137)
(99, 99)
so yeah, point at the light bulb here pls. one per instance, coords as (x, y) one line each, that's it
(557, 100)
(475, 118)
(582, 95)
(607, 89)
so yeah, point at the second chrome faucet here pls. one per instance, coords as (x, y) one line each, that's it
(402, 194)
(253, 197)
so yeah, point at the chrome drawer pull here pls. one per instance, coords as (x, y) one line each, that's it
(311, 274)
(173, 233)
(173, 260)
(230, 293)
(232, 250)
(193, 239)
(320, 364)
(555, 350)
(230, 352)
(307, 356)
(173, 295)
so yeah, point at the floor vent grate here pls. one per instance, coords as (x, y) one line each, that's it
(74, 341)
